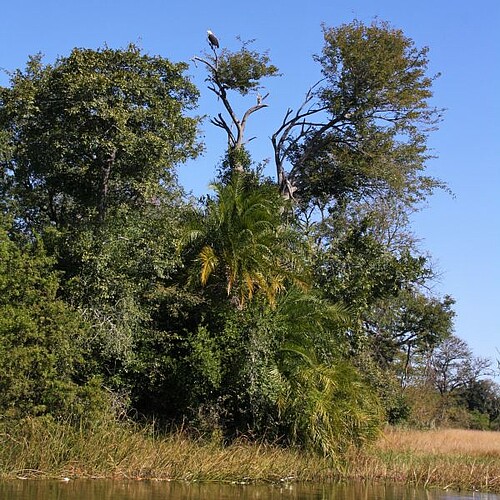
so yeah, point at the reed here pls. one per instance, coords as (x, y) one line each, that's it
(110, 450)
(40, 448)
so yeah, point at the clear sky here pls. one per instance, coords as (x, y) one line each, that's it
(462, 232)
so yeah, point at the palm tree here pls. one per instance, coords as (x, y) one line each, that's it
(325, 406)
(244, 244)
(242, 247)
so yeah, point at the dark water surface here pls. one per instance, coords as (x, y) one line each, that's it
(160, 490)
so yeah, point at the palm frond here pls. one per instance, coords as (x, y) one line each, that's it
(209, 262)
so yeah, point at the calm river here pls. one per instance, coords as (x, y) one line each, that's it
(155, 490)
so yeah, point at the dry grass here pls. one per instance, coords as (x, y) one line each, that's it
(448, 458)
(121, 451)
(455, 459)
(445, 441)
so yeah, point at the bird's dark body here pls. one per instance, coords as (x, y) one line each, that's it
(212, 40)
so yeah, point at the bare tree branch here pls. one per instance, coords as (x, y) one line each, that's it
(236, 140)
(284, 139)
(220, 122)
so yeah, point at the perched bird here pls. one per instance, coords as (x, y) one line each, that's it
(212, 40)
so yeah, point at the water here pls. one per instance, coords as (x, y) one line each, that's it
(161, 490)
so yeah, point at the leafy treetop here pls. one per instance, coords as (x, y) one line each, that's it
(99, 128)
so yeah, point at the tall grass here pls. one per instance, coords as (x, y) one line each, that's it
(454, 459)
(443, 441)
(449, 458)
(41, 448)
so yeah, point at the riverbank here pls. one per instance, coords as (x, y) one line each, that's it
(455, 459)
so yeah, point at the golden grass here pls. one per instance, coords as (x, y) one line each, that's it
(445, 441)
(449, 458)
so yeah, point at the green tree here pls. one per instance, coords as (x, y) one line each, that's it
(90, 147)
(247, 313)
(240, 251)
(363, 128)
(356, 152)
(409, 323)
(244, 245)
(482, 397)
(97, 130)
(329, 408)
(281, 374)
(324, 403)
(123, 278)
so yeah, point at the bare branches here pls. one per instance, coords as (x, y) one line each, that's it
(285, 139)
(220, 122)
(260, 104)
(235, 128)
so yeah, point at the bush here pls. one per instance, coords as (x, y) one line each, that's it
(42, 341)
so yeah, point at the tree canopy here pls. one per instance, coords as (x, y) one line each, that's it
(96, 130)
(296, 309)
(362, 129)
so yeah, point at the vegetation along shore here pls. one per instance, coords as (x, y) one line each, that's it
(277, 324)
(454, 459)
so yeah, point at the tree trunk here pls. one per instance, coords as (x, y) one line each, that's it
(103, 195)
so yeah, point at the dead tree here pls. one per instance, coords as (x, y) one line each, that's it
(220, 83)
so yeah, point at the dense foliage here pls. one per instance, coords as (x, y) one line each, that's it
(43, 342)
(294, 310)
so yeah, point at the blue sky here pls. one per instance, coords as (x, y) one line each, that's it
(462, 233)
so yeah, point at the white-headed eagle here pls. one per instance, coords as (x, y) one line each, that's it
(212, 40)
